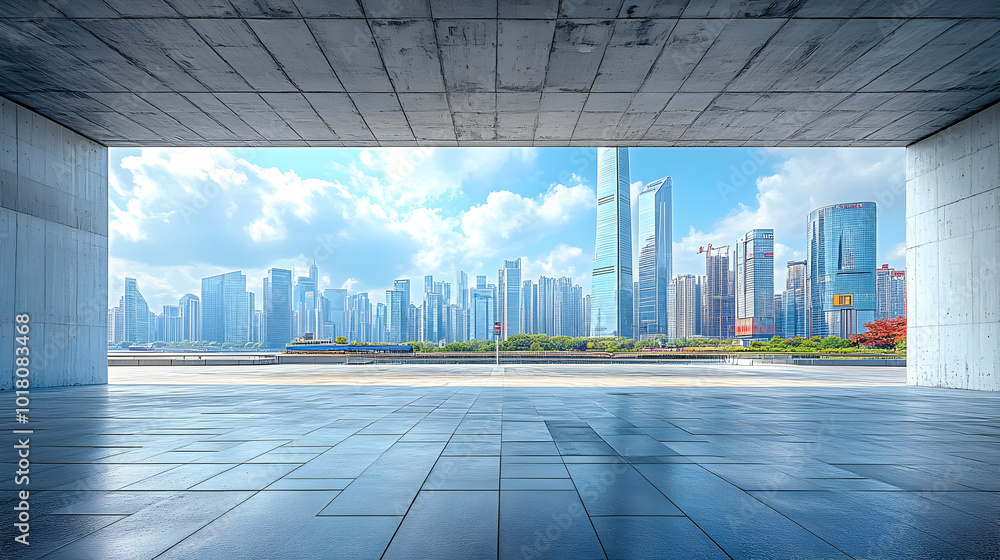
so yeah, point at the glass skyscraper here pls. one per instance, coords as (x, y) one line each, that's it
(840, 271)
(462, 285)
(482, 309)
(136, 313)
(611, 289)
(277, 308)
(755, 285)
(224, 308)
(655, 256)
(794, 301)
(510, 298)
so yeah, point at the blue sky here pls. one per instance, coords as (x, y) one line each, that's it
(369, 216)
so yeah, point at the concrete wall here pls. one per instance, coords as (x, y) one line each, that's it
(953, 255)
(53, 249)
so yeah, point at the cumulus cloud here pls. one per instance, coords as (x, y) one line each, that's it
(508, 220)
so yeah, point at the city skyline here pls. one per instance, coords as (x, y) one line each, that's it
(150, 214)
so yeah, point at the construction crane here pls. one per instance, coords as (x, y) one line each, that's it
(710, 247)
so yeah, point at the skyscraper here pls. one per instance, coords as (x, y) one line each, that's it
(655, 256)
(546, 306)
(481, 313)
(755, 286)
(136, 313)
(380, 327)
(510, 302)
(685, 307)
(395, 316)
(277, 308)
(428, 283)
(462, 285)
(403, 285)
(611, 291)
(434, 320)
(840, 274)
(224, 308)
(335, 313)
(359, 318)
(890, 290)
(794, 300)
(718, 305)
(529, 307)
(190, 307)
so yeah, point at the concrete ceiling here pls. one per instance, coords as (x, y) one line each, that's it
(502, 72)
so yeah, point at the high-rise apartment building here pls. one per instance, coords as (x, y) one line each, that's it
(718, 305)
(890, 292)
(277, 308)
(655, 268)
(755, 286)
(190, 307)
(224, 314)
(611, 289)
(794, 301)
(686, 306)
(840, 271)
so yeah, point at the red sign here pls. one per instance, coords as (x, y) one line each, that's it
(496, 327)
(843, 206)
(769, 255)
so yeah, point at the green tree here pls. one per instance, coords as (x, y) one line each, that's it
(341, 340)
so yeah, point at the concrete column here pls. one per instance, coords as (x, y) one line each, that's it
(953, 255)
(53, 249)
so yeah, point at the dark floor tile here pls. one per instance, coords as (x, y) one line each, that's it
(618, 490)
(464, 473)
(448, 525)
(546, 525)
(248, 530)
(737, 522)
(652, 538)
(341, 538)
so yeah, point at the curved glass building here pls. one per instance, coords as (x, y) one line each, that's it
(611, 291)
(655, 271)
(840, 269)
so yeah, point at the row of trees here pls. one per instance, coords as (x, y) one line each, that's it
(886, 334)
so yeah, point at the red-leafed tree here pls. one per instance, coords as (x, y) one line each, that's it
(884, 333)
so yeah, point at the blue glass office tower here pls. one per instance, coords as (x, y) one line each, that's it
(224, 308)
(655, 256)
(611, 289)
(277, 308)
(755, 286)
(840, 270)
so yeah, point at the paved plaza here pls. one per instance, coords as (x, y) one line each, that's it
(519, 462)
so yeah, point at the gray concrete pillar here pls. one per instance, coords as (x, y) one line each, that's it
(53, 249)
(953, 255)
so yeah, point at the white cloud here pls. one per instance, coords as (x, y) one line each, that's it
(508, 220)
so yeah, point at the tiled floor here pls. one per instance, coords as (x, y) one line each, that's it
(436, 472)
